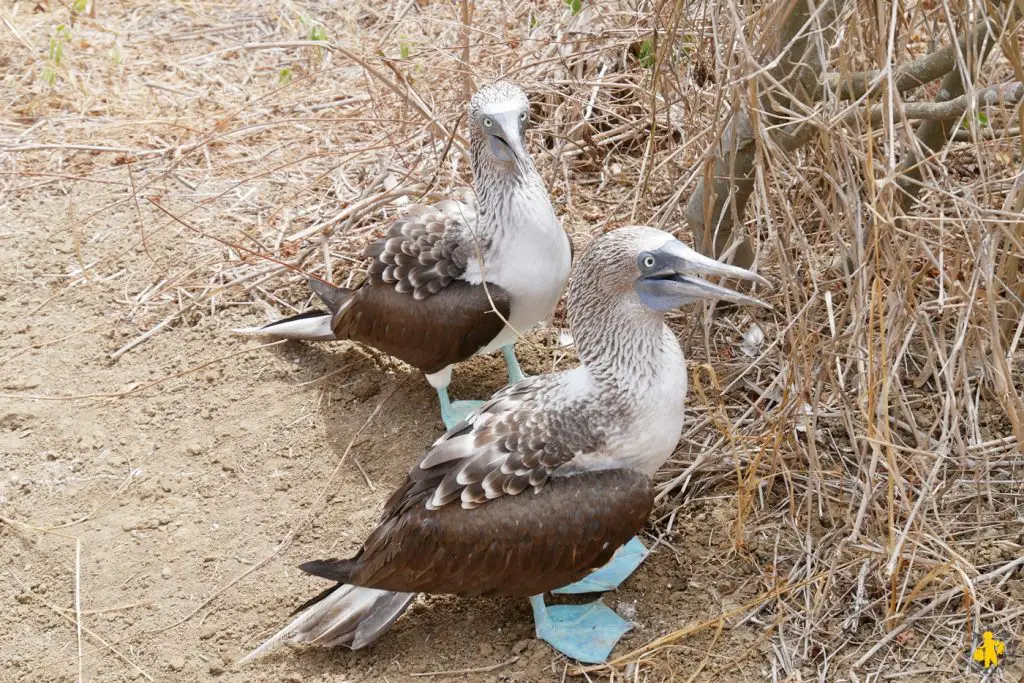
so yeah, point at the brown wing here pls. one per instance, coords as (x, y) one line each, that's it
(430, 334)
(513, 546)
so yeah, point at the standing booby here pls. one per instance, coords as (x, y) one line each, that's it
(448, 282)
(547, 479)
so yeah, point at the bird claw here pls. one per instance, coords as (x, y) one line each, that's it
(609, 577)
(587, 633)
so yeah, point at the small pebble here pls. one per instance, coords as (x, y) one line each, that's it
(626, 610)
(176, 663)
(166, 573)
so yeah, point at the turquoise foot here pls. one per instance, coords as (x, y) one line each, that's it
(454, 412)
(515, 373)
(623, 563)
(459, 411)
(587, 633)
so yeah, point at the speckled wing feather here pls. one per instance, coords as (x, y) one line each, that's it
(512, 443)
(422, 252)
(412, 305)
(526, 523)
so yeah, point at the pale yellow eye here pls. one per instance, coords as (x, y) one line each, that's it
(488, 123)
(522, 117)
(649, 262)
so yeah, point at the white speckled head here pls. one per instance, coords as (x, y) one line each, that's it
(659, 270)
(497, 98)
(498, 115)
(624, 283)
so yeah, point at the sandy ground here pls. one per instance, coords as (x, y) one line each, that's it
(174, 493)
(175, 488)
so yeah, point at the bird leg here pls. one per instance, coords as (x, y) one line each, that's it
(609, 577)
(454, 412)
(587, 633)
(515, 373)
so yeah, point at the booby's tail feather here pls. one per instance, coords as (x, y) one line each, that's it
(345, 615)
(309, 326)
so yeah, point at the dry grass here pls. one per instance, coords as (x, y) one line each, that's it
(871, 443)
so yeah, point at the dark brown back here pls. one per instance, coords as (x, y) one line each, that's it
(429, 334)
(513, 546)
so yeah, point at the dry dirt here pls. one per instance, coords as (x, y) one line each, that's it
(161, 484)
(176, 491)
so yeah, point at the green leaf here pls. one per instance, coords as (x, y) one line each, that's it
(576, 6)
(78, 6)
(56, 50)
(404, 47)
(982, 119)
(284, 76)
(318, 33)
(646, 53)
(689, 43)
(49, 75)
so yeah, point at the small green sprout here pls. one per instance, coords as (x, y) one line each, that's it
(318, 33)
(55, 54)
(646, 53)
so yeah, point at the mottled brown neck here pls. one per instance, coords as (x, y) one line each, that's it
(617, 338)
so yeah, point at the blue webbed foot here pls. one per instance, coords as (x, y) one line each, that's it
(458, 411)
(609, 577)
(587, 633)
(515, 373)
(454, 412)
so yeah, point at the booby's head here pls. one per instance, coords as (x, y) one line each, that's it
(620, 290)
(655, 271)
(498, 114)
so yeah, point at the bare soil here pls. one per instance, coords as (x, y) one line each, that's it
(175, 492)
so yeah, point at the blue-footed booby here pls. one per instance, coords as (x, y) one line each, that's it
(544, 482)
(448, 281)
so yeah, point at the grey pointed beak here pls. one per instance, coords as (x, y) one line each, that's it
(675, 278)
(508, 138)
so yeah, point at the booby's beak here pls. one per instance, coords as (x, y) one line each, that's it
(506, 139)
(669, 278)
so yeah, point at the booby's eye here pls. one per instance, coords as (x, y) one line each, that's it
(488, 123)
(647, 261)
(522, 117)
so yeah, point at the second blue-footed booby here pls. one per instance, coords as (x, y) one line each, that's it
(543, 483)
(448, 281)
